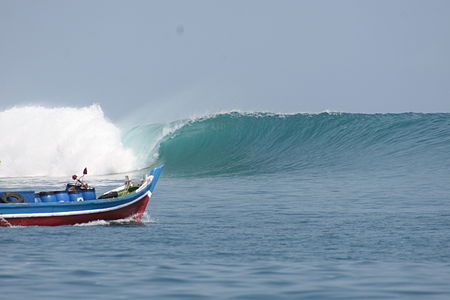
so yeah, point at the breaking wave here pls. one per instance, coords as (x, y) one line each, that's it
(251, 143)
(37, 140)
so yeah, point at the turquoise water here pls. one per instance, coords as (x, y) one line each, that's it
(260, 206)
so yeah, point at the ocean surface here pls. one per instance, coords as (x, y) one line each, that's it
(250, 206)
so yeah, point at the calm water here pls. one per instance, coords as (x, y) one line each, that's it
(260, 206)
(247, 238)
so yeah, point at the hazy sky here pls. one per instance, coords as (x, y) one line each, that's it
(166, 59)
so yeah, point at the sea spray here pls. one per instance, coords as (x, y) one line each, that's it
(39, 140)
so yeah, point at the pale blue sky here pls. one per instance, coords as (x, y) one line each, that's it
(175, 58)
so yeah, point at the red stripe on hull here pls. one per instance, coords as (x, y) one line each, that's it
(135, 210)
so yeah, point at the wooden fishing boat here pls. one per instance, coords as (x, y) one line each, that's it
(78, 204)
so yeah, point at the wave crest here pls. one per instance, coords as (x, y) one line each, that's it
(251, 143)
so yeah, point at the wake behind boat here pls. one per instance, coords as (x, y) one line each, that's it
(77, 204)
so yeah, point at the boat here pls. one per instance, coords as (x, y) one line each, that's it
(78, 204)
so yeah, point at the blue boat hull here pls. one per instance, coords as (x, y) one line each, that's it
(69, 213)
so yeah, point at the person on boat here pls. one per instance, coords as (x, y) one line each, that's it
(78, 183)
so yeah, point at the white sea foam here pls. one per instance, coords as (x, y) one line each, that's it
(146, 219)
(36, 141)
